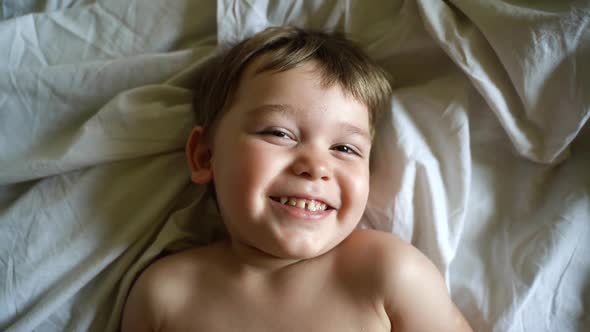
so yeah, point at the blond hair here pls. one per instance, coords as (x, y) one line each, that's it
(339, 60)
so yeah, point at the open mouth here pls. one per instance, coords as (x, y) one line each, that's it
(304, 204)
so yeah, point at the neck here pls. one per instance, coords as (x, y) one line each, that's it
(253, 260)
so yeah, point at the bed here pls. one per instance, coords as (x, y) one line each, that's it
(483, 162)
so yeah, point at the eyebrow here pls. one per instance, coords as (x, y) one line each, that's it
(288, 110)
(281, 109)
(350, 129)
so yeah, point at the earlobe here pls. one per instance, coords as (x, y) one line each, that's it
(198, 155)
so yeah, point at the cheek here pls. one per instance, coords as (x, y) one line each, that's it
(241, 176)
(356, 183)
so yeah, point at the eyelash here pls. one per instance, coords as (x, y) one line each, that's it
(350, 150)
(283, 134)
(275, 132)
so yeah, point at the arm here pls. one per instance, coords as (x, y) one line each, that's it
(417, 297)
(145, 302)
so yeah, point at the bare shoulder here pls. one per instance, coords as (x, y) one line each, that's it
(410, 285)
(380, 252)
(162, 289)
(393, 256)
(378, 258)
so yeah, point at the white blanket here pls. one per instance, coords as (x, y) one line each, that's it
(482, 163)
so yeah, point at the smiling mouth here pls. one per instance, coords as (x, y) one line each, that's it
(304, 204)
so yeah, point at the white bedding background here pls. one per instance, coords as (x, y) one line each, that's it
(483, 163)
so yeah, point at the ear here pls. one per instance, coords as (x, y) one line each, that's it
(198, 155)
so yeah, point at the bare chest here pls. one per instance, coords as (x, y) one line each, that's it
(306, 305)
(317, 315)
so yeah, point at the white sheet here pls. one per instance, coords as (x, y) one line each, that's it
(88, 175)
(475, 165)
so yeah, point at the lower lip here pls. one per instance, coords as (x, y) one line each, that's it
(300, 213)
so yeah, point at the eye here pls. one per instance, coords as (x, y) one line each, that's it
(277, 132)
(346, 149)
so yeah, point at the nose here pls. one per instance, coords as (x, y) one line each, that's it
(313, 165)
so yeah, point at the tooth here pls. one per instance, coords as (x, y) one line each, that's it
(309, 205)
(317, 206)
(301, 203)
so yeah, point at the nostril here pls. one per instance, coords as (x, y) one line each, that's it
(311, 171)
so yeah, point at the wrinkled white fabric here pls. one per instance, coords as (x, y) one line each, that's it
(93, 119)
(482, 163)
(529, 64)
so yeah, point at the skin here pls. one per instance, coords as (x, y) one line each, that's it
(283, 270)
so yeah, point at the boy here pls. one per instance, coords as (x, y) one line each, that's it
(287, 119)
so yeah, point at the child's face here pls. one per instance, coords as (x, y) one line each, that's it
(286, 136)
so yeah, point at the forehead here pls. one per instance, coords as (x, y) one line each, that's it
(256, 70)
(301, 88)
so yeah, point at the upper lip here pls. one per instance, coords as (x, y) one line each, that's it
(306, 197)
